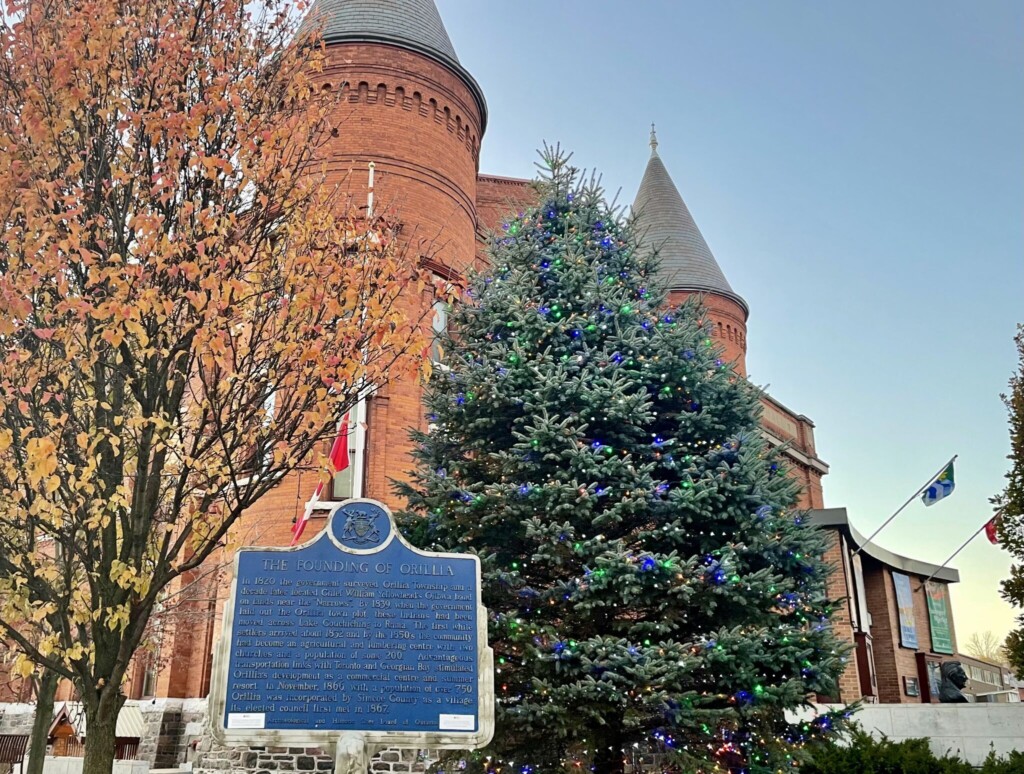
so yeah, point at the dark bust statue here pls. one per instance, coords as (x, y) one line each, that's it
(953, 680)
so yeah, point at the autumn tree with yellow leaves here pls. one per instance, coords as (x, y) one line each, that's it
(186, 311)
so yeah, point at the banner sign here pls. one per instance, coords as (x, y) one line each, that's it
(905, 603)
(354, 633)
(938, 617)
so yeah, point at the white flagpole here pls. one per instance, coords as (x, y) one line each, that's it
(908, 502)
(359, 406)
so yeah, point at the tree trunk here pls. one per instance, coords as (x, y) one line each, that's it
(46, 689)
(101, 727)
(609, 757)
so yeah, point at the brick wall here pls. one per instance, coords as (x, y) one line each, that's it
(893, 661)
(420, 125)
(842, 623)
(497, 198)
(728, 326)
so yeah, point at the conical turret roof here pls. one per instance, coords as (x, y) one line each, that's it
(664, 223)
(415, 23)
(411, 24)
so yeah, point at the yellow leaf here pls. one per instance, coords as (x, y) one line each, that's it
(42, 459)
(23, 667)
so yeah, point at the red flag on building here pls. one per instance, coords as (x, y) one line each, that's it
(339, 461)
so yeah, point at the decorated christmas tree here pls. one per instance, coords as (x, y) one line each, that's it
(651, 586)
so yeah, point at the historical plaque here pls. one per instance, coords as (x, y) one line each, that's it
(355, 634)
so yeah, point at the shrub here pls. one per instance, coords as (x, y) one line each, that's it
(864, 754)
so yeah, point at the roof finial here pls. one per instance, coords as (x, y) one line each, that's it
(654, 142)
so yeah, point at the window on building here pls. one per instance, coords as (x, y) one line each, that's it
(344, 480)
(439, 323)
(934, 676)
(442, 288)
(349, 482)
(149, 679)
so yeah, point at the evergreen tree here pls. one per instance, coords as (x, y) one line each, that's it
(1010, 525)
(648, 579)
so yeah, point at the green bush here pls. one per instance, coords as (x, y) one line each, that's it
(866, 755)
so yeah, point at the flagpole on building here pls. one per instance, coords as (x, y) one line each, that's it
(339, 454)
(908, 502)
(961, 548)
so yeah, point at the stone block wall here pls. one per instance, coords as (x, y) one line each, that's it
(261, 760)
(213, 759)
(400, 762)
(16, 718)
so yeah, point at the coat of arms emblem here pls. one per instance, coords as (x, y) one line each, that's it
(360, 527)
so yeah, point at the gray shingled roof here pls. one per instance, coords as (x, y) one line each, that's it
(411, 24)
(664, 223)
(414, 22)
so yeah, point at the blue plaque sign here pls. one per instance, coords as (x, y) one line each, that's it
(355, 632)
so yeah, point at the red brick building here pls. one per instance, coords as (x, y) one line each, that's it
(413, 114)
(411, 109)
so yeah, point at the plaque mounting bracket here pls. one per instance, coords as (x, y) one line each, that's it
(352, 754)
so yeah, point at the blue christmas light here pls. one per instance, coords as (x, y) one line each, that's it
(648, 564)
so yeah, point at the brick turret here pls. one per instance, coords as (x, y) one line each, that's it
(407, 105)
(665, 224)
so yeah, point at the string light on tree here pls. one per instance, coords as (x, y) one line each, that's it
(647, 582)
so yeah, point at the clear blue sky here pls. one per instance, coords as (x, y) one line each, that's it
(858, 171)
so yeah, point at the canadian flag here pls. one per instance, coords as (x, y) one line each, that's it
(990, 530)
(339, 461)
